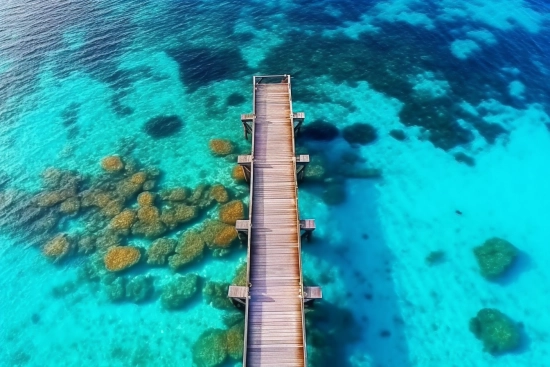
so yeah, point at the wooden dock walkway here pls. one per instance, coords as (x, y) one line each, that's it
(274, 299)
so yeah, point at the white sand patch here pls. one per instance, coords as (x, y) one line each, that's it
(354, 29)
(483, 36)
(403, 11)
(501, 14)
(516, 89)
(462, 49)
(427, 86)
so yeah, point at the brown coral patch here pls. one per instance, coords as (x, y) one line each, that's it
(70, 206)
(177, 194)
(51, 198)
(219, 193)
(148, 214)
(159, 250)
(127, 188)
(57, 248)
(138, 178)
(218, 234)
(178, 214)
(113, 208)
(112, 163)
(123, 221)
(232, 211)
(221, 147)
(121, 257)
(190, 248)
(149, 230)
(238, 174)
(146, 198)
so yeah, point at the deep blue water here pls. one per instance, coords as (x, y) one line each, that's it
(456, 93)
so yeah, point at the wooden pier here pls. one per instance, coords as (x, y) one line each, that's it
(275, 297)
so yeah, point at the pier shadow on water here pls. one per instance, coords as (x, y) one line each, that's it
(363, 325)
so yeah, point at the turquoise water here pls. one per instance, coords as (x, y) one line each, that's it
(465, 81)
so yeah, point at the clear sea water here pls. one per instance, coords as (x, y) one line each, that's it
(79, 79)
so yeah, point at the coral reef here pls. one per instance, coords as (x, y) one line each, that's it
(215, 294)
(108, 239)
(210, 349)
(113, 208)
(464, 158)
(320, 131)
(218, 234)
(238, 174)
(234, 338)
(180, 290)
(148, 214)
(240, 275)
(497, 331)
(235, 99)
(86, 245)
(177, 214)
(189, 249)
(114, 288)
(177, 194)
(334, 194)
(112, 163)
(231, 212)
(51, 198)
(359, 133)
(129, 187)
(146, 198)
(123, 221)
(119, 258)
(219, 193)
(163, 126)
(221, 147)
(398, 134)
(57, 248)
(71, 206)
(435, 257)
(140, 288)
(200, 197)
(138, 178)
(495, 257)
(159, 250)
(150, 230)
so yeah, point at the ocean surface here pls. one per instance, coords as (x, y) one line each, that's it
(457, 93)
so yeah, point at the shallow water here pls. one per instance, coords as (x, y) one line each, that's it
(465, 81)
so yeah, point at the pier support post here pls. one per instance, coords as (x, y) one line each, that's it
(301, 163)
(298, 120)
(307, 226)
(242, 230)
(248, 120)
(245, 162)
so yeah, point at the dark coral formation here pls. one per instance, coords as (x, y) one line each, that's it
(495, 257)
(140, 288)
(179, 291)
(319, 130)
(359, 133)
(497, 331)
(163, 126)
(235, 99)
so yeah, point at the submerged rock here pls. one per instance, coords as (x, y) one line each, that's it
(180, 290)
(163, 126)
(497, 331)
(319, 130)
(495, 257)
(360, 133)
